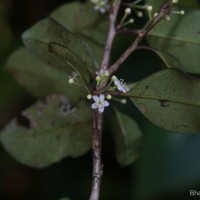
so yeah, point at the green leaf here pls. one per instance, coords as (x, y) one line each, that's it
(181, 4)
(38, 37)
(71, 60)
(49, 131)
(179, 37)
(170, 99)
(127, 136)
(40, 79)
(90, 25)
(96, 47)
(168, 60)
(82, 18)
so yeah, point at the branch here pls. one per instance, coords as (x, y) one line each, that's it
(111, 35)
(96, 147)
(164, 11)
(98, 117)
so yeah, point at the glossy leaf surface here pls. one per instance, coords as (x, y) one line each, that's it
(179, 37)
(85, 21)
(47, 31)
(170, 99)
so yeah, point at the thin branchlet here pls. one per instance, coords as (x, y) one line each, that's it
(98, 117)
(164, 11)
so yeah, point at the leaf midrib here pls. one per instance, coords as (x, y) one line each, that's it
(163, 99)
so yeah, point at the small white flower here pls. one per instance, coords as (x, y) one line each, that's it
(99, 103)
(121, 85)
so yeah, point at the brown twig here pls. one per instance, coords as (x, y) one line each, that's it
(111, 34)
(164, 11)
(96, 147)
(98, 117)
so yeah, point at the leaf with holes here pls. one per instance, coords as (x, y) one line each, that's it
(180, 40)
(47, 31)
(31, 73)
(170, 99)
(49, 131)
(127, 137)
(91, 25)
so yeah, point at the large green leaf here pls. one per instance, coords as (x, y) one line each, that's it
(170, 99)
(179, 37)
(40, 79)
(82, 19)
(38, 37)
(127, 136)
(49, 131)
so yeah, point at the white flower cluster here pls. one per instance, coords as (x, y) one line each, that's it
(101, 5)
(99, 101)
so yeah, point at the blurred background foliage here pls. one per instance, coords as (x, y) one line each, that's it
(169, 164)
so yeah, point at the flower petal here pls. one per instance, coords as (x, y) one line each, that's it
(95, 98)
(116, 82)
(101, 109)
(102, 97)
(106, 103)
(123, 90)
(94, 106)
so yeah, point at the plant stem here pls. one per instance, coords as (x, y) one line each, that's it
(164, 11)
(98, 117)
(111, 35)
(96, 147)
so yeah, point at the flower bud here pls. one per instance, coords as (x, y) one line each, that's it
(128, 11)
